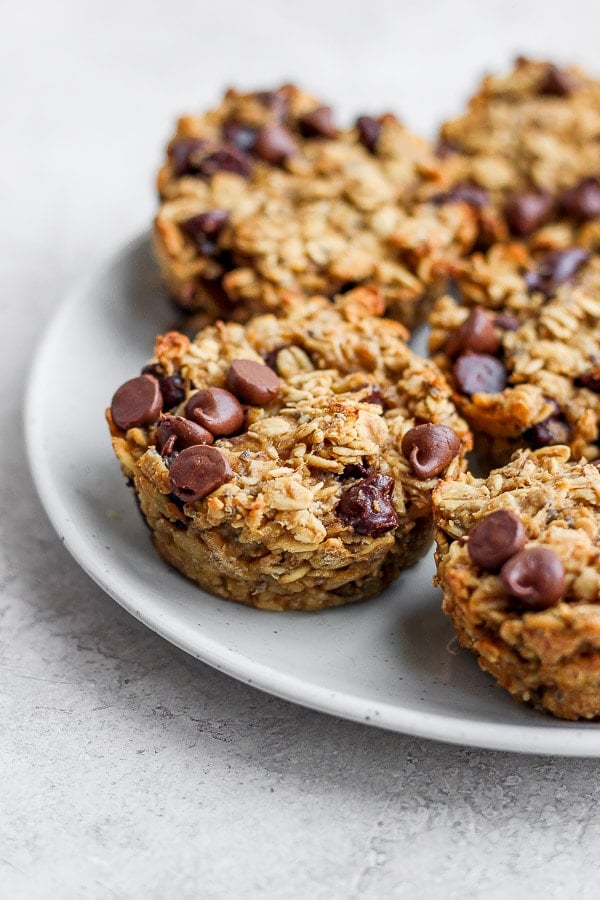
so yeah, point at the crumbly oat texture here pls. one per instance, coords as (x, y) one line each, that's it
(264, 197)
(548, 357)
(531, 140)
(548, 657)
(290, 529)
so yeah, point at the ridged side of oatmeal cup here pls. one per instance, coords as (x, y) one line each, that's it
(321, 492)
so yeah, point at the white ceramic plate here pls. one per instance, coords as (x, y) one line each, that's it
(391, 662)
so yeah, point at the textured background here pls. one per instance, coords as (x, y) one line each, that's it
(128, 769)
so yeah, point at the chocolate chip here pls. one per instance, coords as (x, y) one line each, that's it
(526, 212)
(198, 471)
(583, 200)
(464, 193)
(476, 333)
(558, 82)
(175, 433)
(172, 387)
(550, 431)
(506, 322)
(227, 158)
(204, 229)
(445, 149)
(186, 155)
(534, 576)
(479, 373)
(372, 394)
(276, 101)
(495, 539)
(367, 506)
(136, 403)
(369, 130)
(215, 409)
(242, 136)
(430, 448)
(275, 144)
(252, 382)
(355, 470)
(556, 268)
(318, 123)
(589, 380)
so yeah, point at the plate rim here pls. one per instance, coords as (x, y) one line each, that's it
(565, 739)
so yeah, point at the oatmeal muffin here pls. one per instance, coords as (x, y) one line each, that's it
(525, 377)
(265, 195)
(289, 463)
(519, 566)
(527, 148)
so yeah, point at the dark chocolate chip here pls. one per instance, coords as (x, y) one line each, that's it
(372, 394)
(227, 158)
(198, 471)
(276, 101)
(367, 506)
(215, 409)
(479, 373)
(506, 322)
(204, 230)
(355, 470)
(252, 382)
(136, 403)
(275, 144)
(430, 448)
(174, 433)
(495, 539)
(369, 130)
(526, 212)
(589, 380)
(583, 200)
(535, 577)
(556, 268)
(172, 387)
(477, 333)
(558, 82)
(464, 193)
(318, 123)
(240, 135)
(186, 155)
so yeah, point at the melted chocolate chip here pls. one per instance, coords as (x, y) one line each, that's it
(367, 506)
(464, 193)
(172, 387)
(430, 448)
(186, 155)
(216, 410)
(553, 430)
(318, 123)
(240, 135)
(275, 144)
(198, 471)
(506, 322)
(174, 433)
(479, 373)
(476, 333)
(369, 130)
(136, 403)
(526, 212)
(252, 382)
(558, 82)
(589, 380)
(204, 230)
(583, 200)
(227, 158)
(535, 577)
(555, 269)
(495, 539)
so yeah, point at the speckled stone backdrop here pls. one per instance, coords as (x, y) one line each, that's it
(127, 769)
